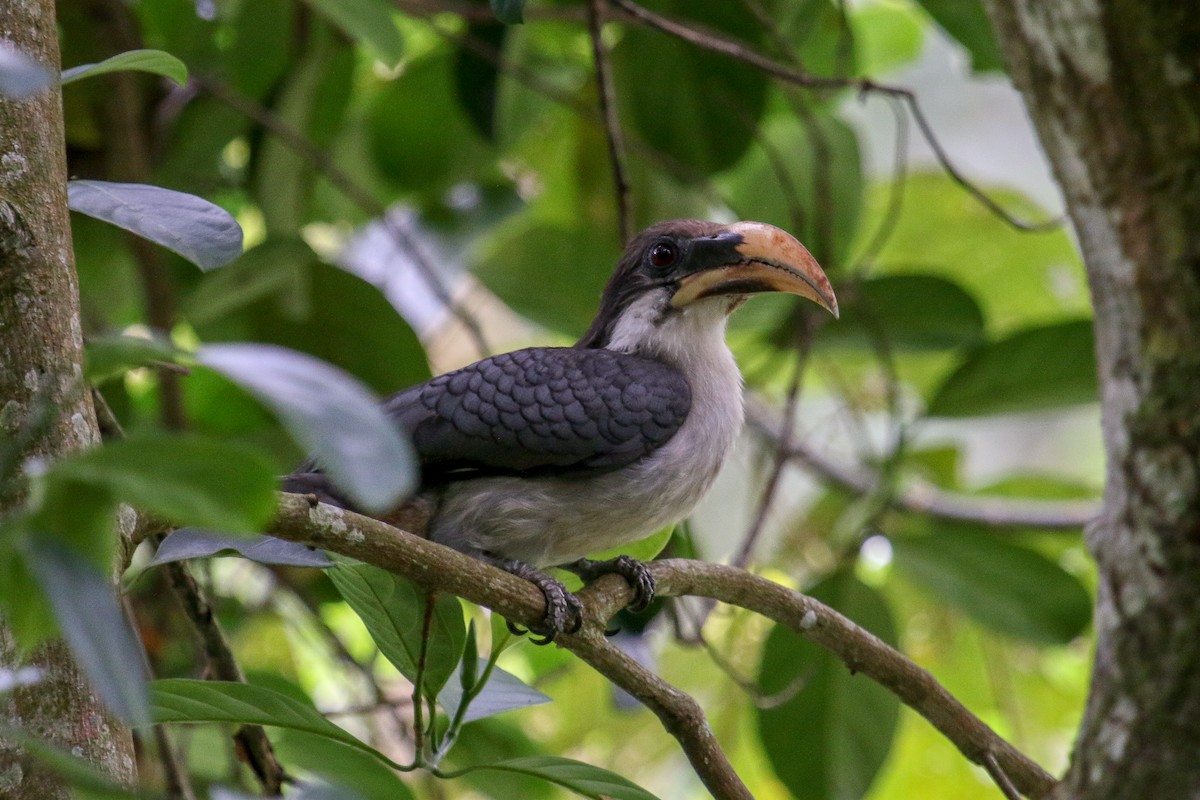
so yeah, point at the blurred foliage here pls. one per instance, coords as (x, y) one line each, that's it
(303, 119)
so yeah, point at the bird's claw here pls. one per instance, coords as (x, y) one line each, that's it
(564, 611)
(637, 574)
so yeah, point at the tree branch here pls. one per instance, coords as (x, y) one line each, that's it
(612, 123)
(435, 567)
(740, 52)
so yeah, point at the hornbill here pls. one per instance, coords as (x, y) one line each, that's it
(538, 457)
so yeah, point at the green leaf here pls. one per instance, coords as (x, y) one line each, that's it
(1035, 368)
(186, 479)
(805, 178)
(180, 700)
(829, 738)
(90, 618)
(154, 61)
(422, 139)
(340, 764)
(186, 543)
(203, 233)
(330, 414)
(583, 779)
(824, 44)
(20, 75)
(698, 107)
(886, 36)
(1017, 277)
(967, 22)
(642, 550)
(312, 100)
(1009, 588)
(510, 12)
(915, 312)
(569, 267)
(279, 293)
(368, 21)
(503, 692)
(263, 32)
(27, 612)
(393, 609)
(111, 355)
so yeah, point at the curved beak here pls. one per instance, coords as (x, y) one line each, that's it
(768, 260)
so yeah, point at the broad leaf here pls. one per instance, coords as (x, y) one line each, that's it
(886, 36)
(111, 355)
(968, 23)
(94, 627)
(280, 293)
(153, 61)
(203, 233)
(180, 700)
(568, 265)
(341, 765)
(186, 543)
(393, 609)
(1032, 369)
(828, 739)
(429, 150)
(312, 99)
(503, 692)
(330, 414)
(186, 479)
(1010, 588)
(20, 75)
(583, 779)
(710, 113)
(367, 21)
(914, 312)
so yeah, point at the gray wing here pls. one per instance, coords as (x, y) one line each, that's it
(543, 410)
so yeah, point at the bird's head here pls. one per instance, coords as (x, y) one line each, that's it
(691, 267)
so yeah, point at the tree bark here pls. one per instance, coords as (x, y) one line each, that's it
(41, 374)
(1113, 87)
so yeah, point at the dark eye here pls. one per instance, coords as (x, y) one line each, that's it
(663, 254)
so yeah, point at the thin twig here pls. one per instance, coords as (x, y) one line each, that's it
(779, 462)
(925, 498)
(438, 568)
(179, 784)
(895, 205)
(301, 145)
(607, 98)
(223, 665)
(717, 44)
(1002, 780)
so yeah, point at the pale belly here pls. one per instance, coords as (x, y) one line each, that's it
(551, 521)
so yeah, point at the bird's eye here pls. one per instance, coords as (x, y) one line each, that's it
(663, 254)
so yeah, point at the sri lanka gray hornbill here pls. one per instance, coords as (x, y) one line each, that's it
(538, 457)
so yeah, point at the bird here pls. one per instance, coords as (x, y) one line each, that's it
(536, 458)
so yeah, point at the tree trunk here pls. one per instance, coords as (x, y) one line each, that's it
(40, 371)
(1113, 87)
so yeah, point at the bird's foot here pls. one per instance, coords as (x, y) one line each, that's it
(635, 572)
(564, 612)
